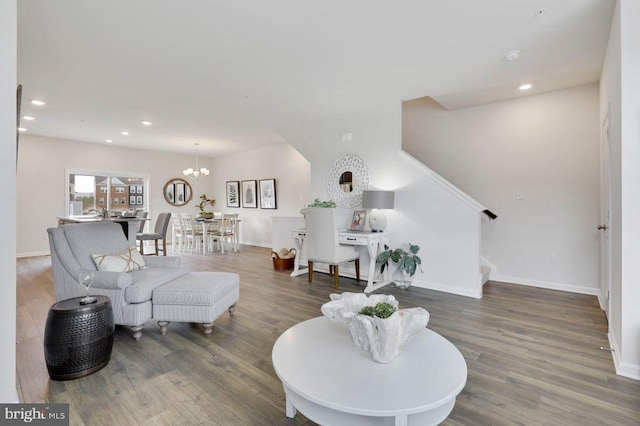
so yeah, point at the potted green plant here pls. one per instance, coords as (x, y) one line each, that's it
(204, 203)
(330, 204)
(406, 263)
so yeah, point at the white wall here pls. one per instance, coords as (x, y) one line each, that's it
(630, 136)
(8, 84)
(620, 85)
(445, 228)
(545, 146)
(42, 187)
(282, 163)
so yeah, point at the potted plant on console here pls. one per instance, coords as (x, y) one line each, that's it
(204, 203)
(330, 204)
(405, 262)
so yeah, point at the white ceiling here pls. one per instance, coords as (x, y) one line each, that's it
(230, 73)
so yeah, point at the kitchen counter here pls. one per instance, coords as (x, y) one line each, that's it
(130, 225)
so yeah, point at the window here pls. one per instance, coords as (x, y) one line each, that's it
(85, 185)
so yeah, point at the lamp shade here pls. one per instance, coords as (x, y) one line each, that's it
(377, 199)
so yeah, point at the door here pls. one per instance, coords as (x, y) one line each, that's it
(605, 217)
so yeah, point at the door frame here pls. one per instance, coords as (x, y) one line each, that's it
(605, 215)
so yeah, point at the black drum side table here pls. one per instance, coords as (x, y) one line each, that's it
(78, 338)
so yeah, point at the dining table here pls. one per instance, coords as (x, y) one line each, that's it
(209, 225)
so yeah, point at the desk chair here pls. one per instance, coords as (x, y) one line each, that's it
(323, 246)
(160, 233)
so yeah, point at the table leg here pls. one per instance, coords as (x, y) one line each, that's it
(204, 237)
(290, 409)
(236, 238)
(402, 420)
(296, 267)
(374, 247)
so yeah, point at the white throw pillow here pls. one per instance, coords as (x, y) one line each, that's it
(125, 261)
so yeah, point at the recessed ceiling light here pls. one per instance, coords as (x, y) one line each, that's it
(108, 140)
(146, 123)
(28, 117)
(512, 55)
(22, 129)
(525, 87)
(38, 102)
(124, 133)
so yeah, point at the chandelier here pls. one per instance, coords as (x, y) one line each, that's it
(197, 172)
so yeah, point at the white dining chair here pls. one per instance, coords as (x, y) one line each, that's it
(192, 232)
(177, 234)
(225, 231)
(231, 229)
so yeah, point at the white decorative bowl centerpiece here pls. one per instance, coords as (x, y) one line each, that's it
(383, 337)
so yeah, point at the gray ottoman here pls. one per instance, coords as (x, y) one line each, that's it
(196, 297)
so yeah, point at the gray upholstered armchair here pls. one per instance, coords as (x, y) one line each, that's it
(73, 248)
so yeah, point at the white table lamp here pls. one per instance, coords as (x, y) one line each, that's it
(376, 201)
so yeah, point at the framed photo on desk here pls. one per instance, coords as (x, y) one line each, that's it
(358, 220)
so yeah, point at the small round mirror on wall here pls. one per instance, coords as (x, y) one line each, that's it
(347, 178)
(177, 192)
(346, 181)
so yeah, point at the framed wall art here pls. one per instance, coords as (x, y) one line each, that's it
(249, 196)
(179, 193)
(267, 191)
(233, 193)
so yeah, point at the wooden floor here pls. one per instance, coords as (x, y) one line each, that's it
(533, 355)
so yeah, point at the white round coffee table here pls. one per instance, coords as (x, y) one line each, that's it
(335, 383)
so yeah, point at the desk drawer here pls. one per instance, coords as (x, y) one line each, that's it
(353, 240)
(299, 234)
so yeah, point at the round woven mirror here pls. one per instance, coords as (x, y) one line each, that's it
(347, 193)
(177, 192)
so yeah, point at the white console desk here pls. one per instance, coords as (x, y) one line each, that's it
(374, 241)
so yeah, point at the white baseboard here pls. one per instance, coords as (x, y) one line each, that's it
(33, 254)
(445, 288)
(602, 301)
(548, 285)
(625, 369)
(252, 243)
